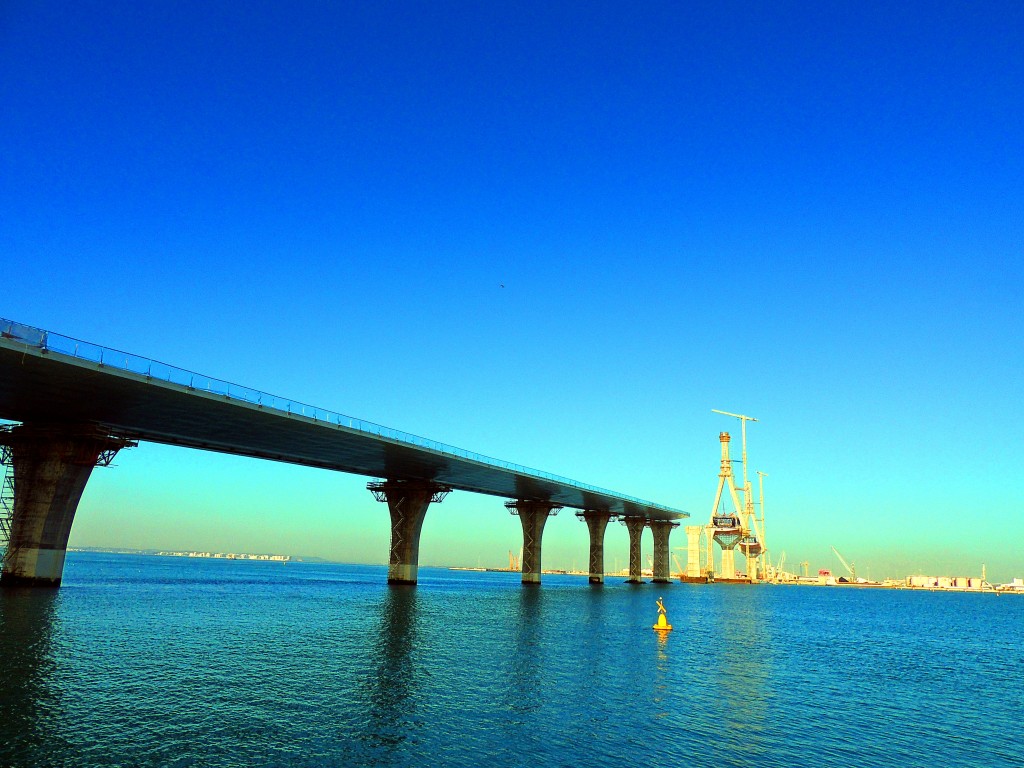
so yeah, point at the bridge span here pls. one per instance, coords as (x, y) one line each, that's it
(76, 404)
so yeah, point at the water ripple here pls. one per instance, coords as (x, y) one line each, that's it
(148, 662)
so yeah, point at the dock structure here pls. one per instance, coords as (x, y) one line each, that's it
(77, 404)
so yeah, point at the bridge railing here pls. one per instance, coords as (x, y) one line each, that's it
(48, 341)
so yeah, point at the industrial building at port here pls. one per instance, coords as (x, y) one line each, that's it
(946, 582)
(962, 584)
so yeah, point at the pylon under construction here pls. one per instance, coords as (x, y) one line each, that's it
(732, 530)
(727, 528)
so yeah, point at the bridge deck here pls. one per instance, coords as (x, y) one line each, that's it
(53, 378)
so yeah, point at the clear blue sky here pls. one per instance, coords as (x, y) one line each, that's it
(809, 213)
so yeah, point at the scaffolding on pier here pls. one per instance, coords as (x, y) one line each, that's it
(6, 503)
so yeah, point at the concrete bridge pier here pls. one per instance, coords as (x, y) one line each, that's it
(661, 530)
(533, 515)
(693, 551)
(729, 563)
(635, 526)
(597, 522)
(710, 555)
(51, 464)
(407, 502)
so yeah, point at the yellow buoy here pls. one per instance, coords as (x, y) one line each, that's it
(662, 625)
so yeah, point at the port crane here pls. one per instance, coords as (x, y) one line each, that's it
(805, 567)
(850, 567)
(678, 564)
(760, 531)
(782, 563)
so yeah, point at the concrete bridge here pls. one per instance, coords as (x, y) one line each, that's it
(77, 404)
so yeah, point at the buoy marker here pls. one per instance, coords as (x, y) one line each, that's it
(662, 625)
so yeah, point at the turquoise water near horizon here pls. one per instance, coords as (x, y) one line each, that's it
(157, 661)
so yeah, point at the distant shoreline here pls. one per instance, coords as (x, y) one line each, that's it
(248, 556)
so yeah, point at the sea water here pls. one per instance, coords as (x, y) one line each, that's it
(160, 661)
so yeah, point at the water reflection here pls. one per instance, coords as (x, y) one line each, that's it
(28, 684)
(394, 676)
(591, 644)
(525, 654)
(663, 692)
(742, 668)
(662, 638)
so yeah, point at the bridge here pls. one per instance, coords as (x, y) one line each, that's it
(76, 404)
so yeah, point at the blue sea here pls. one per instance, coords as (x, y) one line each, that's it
(159, 661)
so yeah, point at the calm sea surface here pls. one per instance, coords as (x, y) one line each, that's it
(140, 661)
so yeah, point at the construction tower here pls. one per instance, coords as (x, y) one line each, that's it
(738, 529)
(726, 528)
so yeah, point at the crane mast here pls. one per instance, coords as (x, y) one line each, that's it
(760, 533)
(850, 568)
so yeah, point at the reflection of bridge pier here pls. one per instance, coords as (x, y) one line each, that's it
(394, 694)
(49, 382)
(30, 695)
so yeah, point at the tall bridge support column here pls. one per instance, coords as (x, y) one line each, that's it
(635, 526)
(729, 563)
(533, 515)
(661, 530)
(752, 568)
(693, 551)
(407, 502)
(710, 562)
(51, 465)
(597, 522)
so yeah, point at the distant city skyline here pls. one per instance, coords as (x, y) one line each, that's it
(559, 236)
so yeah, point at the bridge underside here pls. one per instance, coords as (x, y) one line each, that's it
(76, 411)
(47, 387)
